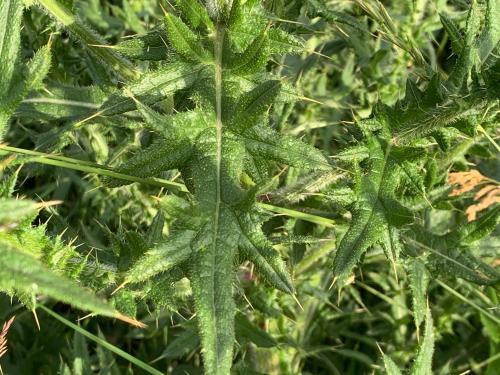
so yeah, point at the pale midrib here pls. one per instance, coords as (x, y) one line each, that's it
(219, 39)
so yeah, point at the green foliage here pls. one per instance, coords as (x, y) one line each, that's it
(380, 205)
(24, 251)
(210, 210)
(422, 364)
(13, 88)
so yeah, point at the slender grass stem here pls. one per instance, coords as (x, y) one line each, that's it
(89, 167)
(134, 360)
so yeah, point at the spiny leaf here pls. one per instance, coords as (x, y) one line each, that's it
(419, 281)
(263, 142)
(184, 41)
(63, 102)
(152, 87)
(489, 38)
(158, 157)
(476, 230)
(391, 245)
(466, 59)
(280, 42)
(390, 367)
(259, 251)
(251, 105)
(24, 273)
(162, 257)
(423, 361)
(307, 186)
(89, 39)
(213, 291)
(236, 14)
(155, 230)
(14, 210)
(253, 58)
(372, 213)
(451, 257)
(151, 47)
(454, 33)
(195, 13)
(38, 68)
(10, 33)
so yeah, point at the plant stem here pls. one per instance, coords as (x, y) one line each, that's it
(103, 343)
(85, 166)
(89, 167)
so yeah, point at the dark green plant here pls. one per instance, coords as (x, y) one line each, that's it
(199, 105)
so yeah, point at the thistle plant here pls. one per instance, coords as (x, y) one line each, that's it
(200, 190)
(225, 136)
(223, 146)
(391, 194)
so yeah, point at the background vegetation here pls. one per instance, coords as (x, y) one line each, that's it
(379, 247)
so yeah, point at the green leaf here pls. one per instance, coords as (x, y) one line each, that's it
(390, 367)
(150, 47)
(391, 245)
(212, 279)
(467, 56)
(195, 13)
(183, 40)
(419, 281)
(490, 36)
(89, 39)
(454, 33)
(268, 262)
(451, 254)
(236, 15)
(423, 361)
(24, 273)
(10, 33)
(64, 102)
(156, 158)
(14, 211)
(253, 58)
(162, 257)
(263, 142)
(155, 230)
(38, 68)
(152, 87)
(373, 211)
(246, 329)
(251, 105)
(216, 169)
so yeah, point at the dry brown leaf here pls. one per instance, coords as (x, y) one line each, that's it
(487, 196)
(3, 336)
(466, 181)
